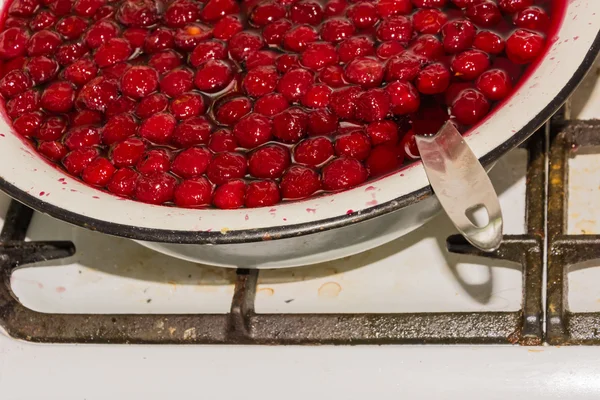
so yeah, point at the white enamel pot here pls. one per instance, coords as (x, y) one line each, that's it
(314, 230)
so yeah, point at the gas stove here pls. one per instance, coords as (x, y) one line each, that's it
(470, 324)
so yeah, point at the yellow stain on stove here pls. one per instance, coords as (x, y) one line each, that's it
(266, 291)
(224, 230)
(329, 290)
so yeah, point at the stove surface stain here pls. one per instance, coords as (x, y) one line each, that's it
(330, 290)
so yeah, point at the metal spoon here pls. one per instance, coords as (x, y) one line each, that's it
(462, 185)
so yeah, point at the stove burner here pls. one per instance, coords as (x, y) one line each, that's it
(242, 325)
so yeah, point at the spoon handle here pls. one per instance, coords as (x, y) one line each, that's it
(462, 186)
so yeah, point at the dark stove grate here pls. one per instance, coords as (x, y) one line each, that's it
(564, 250)
(242, 325)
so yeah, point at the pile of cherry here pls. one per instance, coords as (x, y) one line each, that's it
(250, 103)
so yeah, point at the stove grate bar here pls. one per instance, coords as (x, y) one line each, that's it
(564, 250)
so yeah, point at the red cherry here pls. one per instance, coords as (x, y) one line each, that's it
(458, 35)
(43, 43)
(76, 161)
(216, 9)
(397, 27)
(127, 153)
(383, 159)
(433, 79)
(271, 104)
(317, 96)
(121, 105)
(154, 161)
(365, 71)
(485, 13)
(429, 3)
(322, 122)
(44, 19)
(332, 75)
(58, 97)
(97, 93)
(267, 12)
(319, 55)
(230, 195)
(208, 50)
(123, 182)
(82, 136)
(226, 166)
(14, 83)
(54, 151)
(86, 117)
(372, 105)
(356, 46)
(262, 194)
(363, 15)
(158, 40)
(187, 105)
(13, 43)
(295, 83)
(227, 27)
(408, 145)
(269, 161)
(253, 130)
(470, 64)
(427, 48)
(274, 32)
(81, 71)
(244, 43)
(404, 98)
(343, 173)
(23, 103)
(155, 189)
(354, 144)
(286, 62)
(488, 42)
(23, 8)
(299, 182)
(191, 163)
(139, 13)
(176, 82)
(494, 84)
(51, 129)
(136, 36)
(343, 101)
(191, 132)
(87, 8)
(470, 107)
(522, 47)
(298, 38)
(181, 12)
(222, 140)
(98, 172)
(336, 29)
(260, 81)
(513, 6)
(151, 105)
(164, 61)
(313, 151)
(28, 124)
(118, 128)
(100, 32)
(213, 76)
(158, 128)
(429, 21)
(112, 51)
(388, 8)
(139, 81)
(383, 132)
(231, 111)
(306, 12)
(70, 52)
(389, 49)
(192, 193)
(290, 126)
(403, 67)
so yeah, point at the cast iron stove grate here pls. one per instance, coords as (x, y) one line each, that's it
(242, 325)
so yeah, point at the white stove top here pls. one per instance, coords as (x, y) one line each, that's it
(412, 274)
